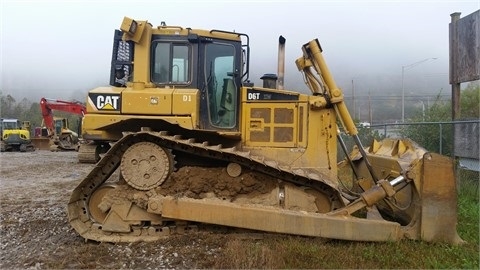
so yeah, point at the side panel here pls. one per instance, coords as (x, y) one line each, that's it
(273, 119)
(185, 102)
(110, 127)
(271, 124)
(149, 101)
(280, 125)
(111, 111)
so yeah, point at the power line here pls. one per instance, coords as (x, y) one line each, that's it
(392, 98)
(415, 96)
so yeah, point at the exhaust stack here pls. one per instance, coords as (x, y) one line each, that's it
(281, 62)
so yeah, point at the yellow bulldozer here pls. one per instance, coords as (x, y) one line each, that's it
(183, 139)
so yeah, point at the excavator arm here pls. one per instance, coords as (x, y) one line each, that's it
(49, 105)
(63, 139)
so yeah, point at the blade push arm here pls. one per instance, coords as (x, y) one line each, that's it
(322, 83)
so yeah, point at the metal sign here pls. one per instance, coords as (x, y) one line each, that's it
(465, 48)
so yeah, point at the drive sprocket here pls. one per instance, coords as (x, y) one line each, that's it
(145, 165)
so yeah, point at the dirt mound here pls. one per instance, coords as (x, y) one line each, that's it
(198, 182)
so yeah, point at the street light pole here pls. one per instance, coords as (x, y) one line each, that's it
(407, 67)
(403, 95)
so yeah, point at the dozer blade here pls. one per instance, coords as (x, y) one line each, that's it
(439, 200)
(41, 143)
(426, 205)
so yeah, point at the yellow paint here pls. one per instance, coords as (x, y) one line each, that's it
(150, 101)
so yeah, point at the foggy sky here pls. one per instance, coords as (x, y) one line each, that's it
(62, 49)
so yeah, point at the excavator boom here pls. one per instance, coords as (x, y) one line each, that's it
(49, 105)
(58, 136)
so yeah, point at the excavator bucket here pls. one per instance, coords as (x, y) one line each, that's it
(427, 204)
(41, 143)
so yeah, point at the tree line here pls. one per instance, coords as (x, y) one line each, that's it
(27, 110)
(426, 136)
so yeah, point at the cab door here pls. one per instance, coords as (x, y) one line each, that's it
(220, 85)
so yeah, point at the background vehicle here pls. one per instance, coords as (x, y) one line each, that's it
(55, 132)
(15, 135)
(196, 142)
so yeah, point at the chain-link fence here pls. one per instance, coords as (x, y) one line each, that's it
(437, 136)
(433, 136)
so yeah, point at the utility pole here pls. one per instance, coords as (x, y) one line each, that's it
(353, 98)
(404, 68)
(370, 116)
(455, 85)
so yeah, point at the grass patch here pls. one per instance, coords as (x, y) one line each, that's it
(309, 253)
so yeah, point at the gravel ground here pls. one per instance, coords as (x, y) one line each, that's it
(34, 190)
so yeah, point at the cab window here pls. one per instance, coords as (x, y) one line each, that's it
(170, 63)
(10, 125)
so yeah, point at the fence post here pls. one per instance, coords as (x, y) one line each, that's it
(441, 137)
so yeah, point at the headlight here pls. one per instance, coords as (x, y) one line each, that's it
(129, 26)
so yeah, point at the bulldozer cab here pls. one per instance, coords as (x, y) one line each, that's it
(217, 75)
(214, 62)
(60, 125)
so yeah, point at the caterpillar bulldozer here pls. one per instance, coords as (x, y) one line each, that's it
(187, 142)
(15, 136)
